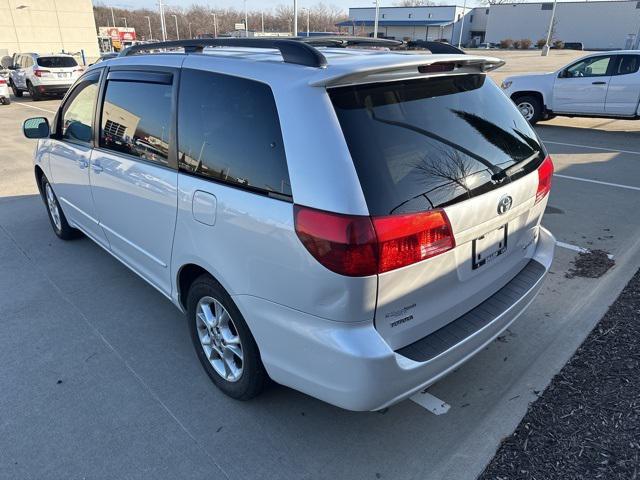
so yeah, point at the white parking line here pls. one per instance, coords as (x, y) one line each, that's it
(576, 248)
(431, 403)
(609, 184)
(33, 106)
(590, 147)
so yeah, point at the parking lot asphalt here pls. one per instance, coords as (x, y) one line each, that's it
(99, 378)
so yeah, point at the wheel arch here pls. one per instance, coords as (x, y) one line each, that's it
(531, 93)
(39, 173)
(185, 278)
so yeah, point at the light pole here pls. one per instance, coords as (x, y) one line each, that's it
(295, 18)
(375, 23)
(308, 21)
(246, 21)
(464, 11)
(262, 20)
(175, 17)
(113, 18)
(545, 49)
(215, 26)
(125, 21)
(150, 32)
(163, 22)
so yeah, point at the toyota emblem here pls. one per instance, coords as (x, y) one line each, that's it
(504, 204)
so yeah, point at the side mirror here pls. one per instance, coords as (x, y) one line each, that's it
(36, 127)
(11, 67)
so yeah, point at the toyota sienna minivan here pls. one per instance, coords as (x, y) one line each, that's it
(349, 222)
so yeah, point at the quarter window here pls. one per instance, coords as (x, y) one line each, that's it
(229, 131)
(136, 119)
(77, 113)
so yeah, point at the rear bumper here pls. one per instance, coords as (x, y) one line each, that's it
(46, 89)
(349, 364)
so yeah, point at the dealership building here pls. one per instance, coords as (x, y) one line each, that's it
(48, 26)
(442, 22)
(599, 25)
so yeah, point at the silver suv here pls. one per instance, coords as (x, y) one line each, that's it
(43, 75)
(352, 223)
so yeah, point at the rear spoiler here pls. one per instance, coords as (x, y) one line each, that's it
(415, 66)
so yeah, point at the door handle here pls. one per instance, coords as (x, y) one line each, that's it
(598, 83)
(96, 167)
(82, 163)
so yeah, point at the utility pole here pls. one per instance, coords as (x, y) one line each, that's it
(464, 12)
(246, 21)
(215, 26)
(375, 23)
(545, 49)
(295, 18)
(149, 22)
(262, 20)
(175, 17)
(308, 9)
(113, 18)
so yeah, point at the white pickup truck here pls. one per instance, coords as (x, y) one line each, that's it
(603, 84)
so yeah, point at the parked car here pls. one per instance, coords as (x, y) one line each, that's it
(598, 85)
(42, 75)
(356, 250)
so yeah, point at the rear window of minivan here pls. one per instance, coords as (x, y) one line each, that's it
(430, 142)
(57, 62)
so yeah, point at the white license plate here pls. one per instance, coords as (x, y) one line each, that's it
(62, 75)
(489, 246)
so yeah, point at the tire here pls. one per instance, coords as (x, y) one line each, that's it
(6, 101)
(530, 107)
(16, 91)
(246, 375)
(35, 96)
(56, 216)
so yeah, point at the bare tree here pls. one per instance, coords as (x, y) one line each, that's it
(415, 3)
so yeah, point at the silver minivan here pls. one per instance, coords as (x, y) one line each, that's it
(351, 223)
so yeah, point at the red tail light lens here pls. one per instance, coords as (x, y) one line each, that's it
(407, 239)
(360, 246)
(545, 172)
(3, 81)
(41, 73)
(344, 244)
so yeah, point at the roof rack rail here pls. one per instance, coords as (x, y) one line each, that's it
(347, 41)
(292, 51)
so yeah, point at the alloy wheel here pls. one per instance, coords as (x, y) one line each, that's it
(527, 110)
(52, 204)
(219, 339)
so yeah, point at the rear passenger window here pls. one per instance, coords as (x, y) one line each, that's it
(627, 64)
(228, 130)
(136, 119)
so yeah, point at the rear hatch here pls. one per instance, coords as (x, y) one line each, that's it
(454, 144)
(58, 69)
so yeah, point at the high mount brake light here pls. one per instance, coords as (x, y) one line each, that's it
(355, 245)
(545, 173)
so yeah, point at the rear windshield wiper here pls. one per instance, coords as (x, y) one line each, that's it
(507, 172)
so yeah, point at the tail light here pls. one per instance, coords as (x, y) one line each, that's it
(41, 73)
(545, 172)
(359, 245)
(3, 81)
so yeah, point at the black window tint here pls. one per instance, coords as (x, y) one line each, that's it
(57, 62)
(136, 119)
(77, 114)
(547, 6)
(228, 130)
(627, 64)
(421, 144)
